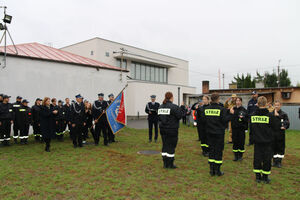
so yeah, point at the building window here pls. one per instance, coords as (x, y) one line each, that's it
(92, 53)
(107, 54)
(124, 64)
(147, 72)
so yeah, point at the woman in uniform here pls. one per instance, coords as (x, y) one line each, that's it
(169, 115)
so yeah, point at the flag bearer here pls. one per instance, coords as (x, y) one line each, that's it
(281, 123)
(111, 136)
(169, 116)
(216, 118)
(6, 119)
(262, 122)
(239, 124)
(23, 118)
(151, 110)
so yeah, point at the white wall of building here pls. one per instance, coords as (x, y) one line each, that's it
(31, 78)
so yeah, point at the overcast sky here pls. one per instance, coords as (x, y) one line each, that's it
(230, 35)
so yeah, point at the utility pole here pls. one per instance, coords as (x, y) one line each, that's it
(219, 74)
(223, 75)
(278, 73)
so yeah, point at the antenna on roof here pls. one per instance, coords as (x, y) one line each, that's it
(7, 20)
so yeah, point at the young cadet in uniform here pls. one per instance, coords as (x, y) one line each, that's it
(60, 121)
(251, 108)
(36, 125)
(239, 124)
(216, 118)
(16, 126)
(169, 115)
(281, 123)
(201, 126)
(111, 136)
(89, 121)
(262, 122)
(78, 120)
(98, 112)
(151, 110)
(23, 118)
(230, 104)
(67, 109)
(6, 119)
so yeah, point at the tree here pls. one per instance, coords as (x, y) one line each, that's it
(270, 80)
(244, 82)
(285, 81)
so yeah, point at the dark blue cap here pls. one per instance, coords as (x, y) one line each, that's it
(5, 96)
(1, 95)
(60, 101)
(78, 96)
(111, 95)
(254, 92)
(19, 97)
(153, 96)
(25, 101)
(100, 95)
(38, 99)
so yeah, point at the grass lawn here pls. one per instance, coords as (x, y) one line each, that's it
(118, 172)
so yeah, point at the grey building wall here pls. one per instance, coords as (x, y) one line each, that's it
(293, 113)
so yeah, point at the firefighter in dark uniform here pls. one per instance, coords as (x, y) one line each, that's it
(281, 123)
(111, 136)
(251, 108)
(16, 126)
(201, 126)
(6, 119)
(23, 118)
(239, 124)
(60, 121)
(78, 120)
(262, 122)
(36, 124)
(98, 112)
(169, 115)
(216, 118)
(67, 109)
(151, 110)
(54, 106)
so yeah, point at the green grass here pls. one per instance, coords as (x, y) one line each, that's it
(118, 172)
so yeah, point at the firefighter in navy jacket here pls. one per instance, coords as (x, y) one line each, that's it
(77, 118)
(6, 119)
(169, 116)
(60, 120)
(23, 118)
(262, 122)
(281, 123)
(201, 126)
(98, 112)
(251, 108)
(216, 119)
(239, 124)
(16, 126)
(151, 110)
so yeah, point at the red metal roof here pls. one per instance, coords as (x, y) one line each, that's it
(43, 52)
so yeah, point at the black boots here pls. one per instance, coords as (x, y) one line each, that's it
(47, 148)
(165, 162)
(258, 177)
(236, 156)
(277, 162)
(212, 169)
(266, 179)
(16, 140)
(218, 171)
(169, 163)
(240, 156)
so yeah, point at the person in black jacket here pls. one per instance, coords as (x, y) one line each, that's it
(6, 119)
(78, 120)
(89, 121)
(151, 110)
(67, 110)
(100, 120)
(169, 115)
(16, 126)
(281, 123)
(183, 108)
(216, 118)
(239, 124)
(23, 118)
(35, 110)
(60, 121)
(262, 122)
(47, 120)
(251, 108)
(201, 126)
(55, 107)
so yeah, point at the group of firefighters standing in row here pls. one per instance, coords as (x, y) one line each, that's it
(267, 124)
(50, 119)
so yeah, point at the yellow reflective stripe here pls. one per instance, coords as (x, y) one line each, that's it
(211, 160)
(257, 170)
(266, 172)
(212, 112)
(242, 151)
(204, 145)
(260, 119)
(22, 110)
(235, 150)
(218, 161)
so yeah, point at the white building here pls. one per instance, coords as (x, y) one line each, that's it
(150, 72)
(39, 71)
